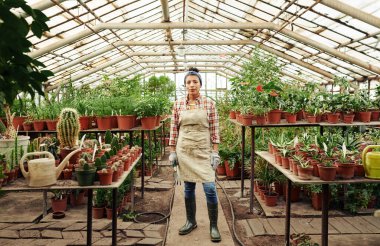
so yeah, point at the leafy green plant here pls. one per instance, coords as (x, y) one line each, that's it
(99, 199)
(147, 106)
(19, 72)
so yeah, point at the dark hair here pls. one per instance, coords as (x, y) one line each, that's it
(193, 71)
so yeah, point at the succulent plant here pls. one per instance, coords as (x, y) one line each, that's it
(68, 127)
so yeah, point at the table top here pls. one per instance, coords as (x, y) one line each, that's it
(21, 185)
(283, 123)
(314, 180)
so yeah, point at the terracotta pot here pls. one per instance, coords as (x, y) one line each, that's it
(261, 120)
(365, 116)
(305, 173)
(285, 162)
(333, 118)
(115, 176)
(97, 213)
(114, 121)
(270, 148)
(359, 170)
(316, 200)
(277, 158)
(375, 115)
(294, 193)
(231, 172)
(221, 170)
(315, 168)
(148, 123)
(295, 168)
(246, 119)
(345, 171)
(39, 125)
(318, 118)
(67, 175)
(232, 115)
(348, 118)
(105, 178)
(291, 118)
(274, 116)
(279, 188)
(109, 213)
(327, 173)
(77, 199)
(18, 122)
(300, 115)
(85, 122)
(311, 119)
(74, 159)
(27, 127)
(51, 125)
(270, 199)
(59, 205)
(125, 122)
(104, 122)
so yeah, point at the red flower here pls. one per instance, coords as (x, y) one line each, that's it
(259, 88)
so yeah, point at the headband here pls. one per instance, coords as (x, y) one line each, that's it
(193, 73)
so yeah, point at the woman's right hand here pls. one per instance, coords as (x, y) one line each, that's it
(173, 159)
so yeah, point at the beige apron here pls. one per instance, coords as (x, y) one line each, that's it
(194, 147)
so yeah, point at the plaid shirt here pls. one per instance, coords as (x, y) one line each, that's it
(181, 105)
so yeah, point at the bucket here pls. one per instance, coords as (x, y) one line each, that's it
(7, 145)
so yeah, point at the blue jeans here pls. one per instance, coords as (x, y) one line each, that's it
(209, 189)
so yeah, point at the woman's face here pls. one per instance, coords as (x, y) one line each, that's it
(193, 85)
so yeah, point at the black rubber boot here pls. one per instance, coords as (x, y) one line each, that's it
(190, 224)
(213, 216)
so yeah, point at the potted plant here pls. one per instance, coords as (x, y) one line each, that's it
(292, 103)
(348, 107)
(105, 176)
(363, 105)
(68, 133)
(126, 118)
(59, 201)
(99, 203)
(51, 116)
(269, 176)
(147, 109)
(334, 102)
(316, 196)
(346, 167)
(85, 173)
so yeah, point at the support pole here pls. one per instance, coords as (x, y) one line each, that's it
(252, 169)
(325, 215)
(142, 163)
(114, 217)
(242, 160)
(89, 216)
(287, 218)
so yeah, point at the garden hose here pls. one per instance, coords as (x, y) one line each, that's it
(232, 212)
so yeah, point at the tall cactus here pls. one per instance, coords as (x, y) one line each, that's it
(68, 127)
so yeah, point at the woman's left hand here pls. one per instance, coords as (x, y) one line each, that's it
(215, 160)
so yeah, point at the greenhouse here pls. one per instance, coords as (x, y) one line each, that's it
(189, 122)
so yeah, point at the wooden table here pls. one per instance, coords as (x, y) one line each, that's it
(291, 178)
(21, 185)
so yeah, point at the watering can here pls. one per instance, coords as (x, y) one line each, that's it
(371, 162)
(42, 171)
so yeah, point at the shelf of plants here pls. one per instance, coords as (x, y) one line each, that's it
(21, 185)
(292, 178)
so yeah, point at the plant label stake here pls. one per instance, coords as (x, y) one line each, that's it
(100, 142)
(81, 141)
(93, 154)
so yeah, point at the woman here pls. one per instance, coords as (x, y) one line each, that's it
(194, 139)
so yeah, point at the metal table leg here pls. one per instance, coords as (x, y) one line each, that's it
(150, 150)
(114, 216)
(130, 139)
(142, 163)
(44, 203)
(132, 194)
(252, 170)
(155, 144)
(325, 215)
(242, 160)
(89, 216)
(287, 218)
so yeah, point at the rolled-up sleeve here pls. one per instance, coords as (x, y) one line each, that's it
(174, 125)
(214, 124)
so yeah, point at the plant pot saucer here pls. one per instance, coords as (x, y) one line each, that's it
(58, 215)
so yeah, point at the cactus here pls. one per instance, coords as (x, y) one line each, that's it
(114, 142)
(108, 137)
(68, 127)
(103, 159)
(2, 127)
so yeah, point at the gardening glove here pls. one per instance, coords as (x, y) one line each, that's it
(215, 160)
(173, 159)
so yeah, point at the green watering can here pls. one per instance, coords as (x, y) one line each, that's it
(371, 162)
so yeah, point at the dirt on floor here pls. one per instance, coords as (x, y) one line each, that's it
(155, 201)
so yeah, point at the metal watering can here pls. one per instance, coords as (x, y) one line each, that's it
(42, 171)
(371, 162)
